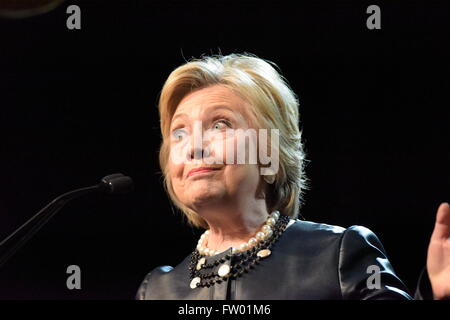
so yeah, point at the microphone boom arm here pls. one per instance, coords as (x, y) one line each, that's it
(115, 183)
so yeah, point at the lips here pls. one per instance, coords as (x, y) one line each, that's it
(201, 170)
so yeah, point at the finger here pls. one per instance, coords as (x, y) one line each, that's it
(442, 226)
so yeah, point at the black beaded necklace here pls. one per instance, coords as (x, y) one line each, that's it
(204, 275)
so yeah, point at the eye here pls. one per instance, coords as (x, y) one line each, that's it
(179, 134)
(221, 124)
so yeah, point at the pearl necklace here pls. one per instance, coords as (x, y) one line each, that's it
(264, 233)
(205, 272)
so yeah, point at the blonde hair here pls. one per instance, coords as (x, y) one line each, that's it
(274, 105)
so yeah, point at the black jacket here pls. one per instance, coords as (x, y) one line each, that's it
(309, 261)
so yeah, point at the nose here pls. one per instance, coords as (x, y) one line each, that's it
(195, 153)
(196, 148)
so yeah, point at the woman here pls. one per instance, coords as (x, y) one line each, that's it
(215, 113)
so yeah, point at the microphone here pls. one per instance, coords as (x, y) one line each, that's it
(111, 184)
(116, 184)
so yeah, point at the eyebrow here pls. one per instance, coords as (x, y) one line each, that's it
(216, 107)
(179, 115)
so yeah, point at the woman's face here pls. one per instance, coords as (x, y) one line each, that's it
(199, 139)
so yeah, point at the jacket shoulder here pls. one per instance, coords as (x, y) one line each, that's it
(362, 265)
(364, 235)
(365, 271)
(323, 229)
(161, 282)
(311, 232)
(306, 237)
(155, 273)
(311, 226)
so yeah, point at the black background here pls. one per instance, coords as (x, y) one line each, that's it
(76, 105)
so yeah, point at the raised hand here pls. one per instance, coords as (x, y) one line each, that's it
(438, 259)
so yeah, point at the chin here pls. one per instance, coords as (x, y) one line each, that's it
(205, 197)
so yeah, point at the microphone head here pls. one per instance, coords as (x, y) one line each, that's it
(116, 183)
